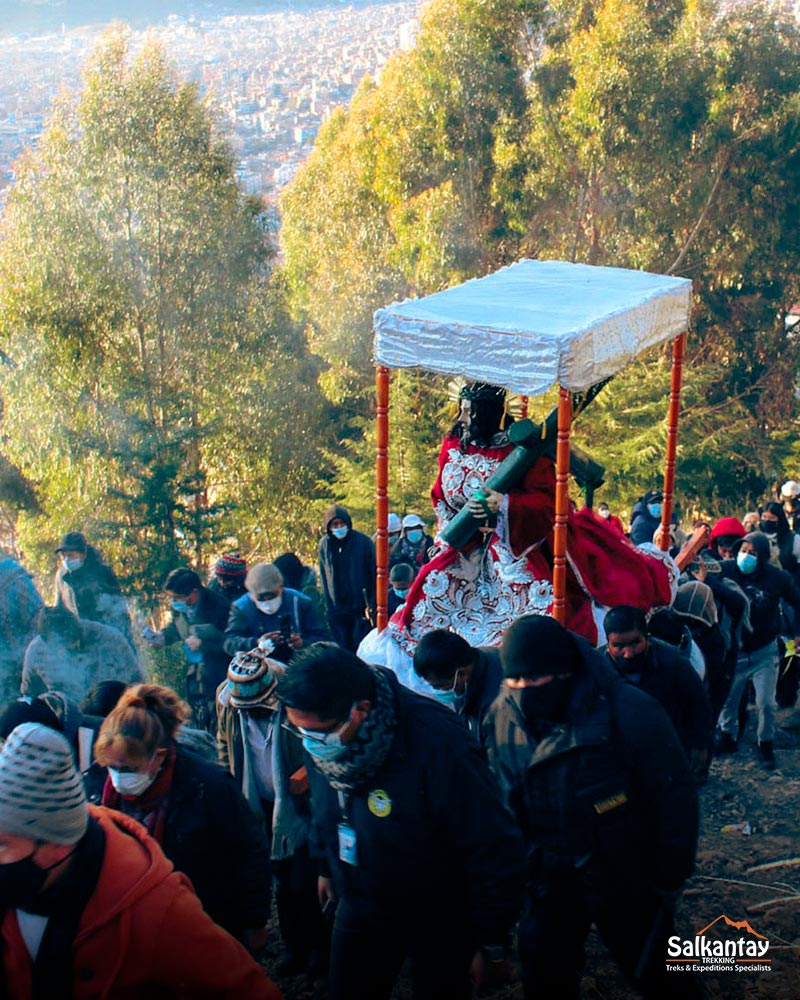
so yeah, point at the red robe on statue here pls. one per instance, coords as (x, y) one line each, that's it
(508, 572)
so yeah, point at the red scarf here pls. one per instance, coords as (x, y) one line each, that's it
(149, 808)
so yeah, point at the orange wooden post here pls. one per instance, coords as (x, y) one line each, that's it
(562, 506)
(678, 348)
(382, 497)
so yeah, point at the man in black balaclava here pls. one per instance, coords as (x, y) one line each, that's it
(602, 790)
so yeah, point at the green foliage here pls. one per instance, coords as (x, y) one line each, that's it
(724, 458)
(659, 136)
(148, 398)
(417, 420)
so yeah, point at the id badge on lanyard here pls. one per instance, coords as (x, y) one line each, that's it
(348, 848)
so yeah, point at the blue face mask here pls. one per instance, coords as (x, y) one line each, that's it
(70, 565)
(655, 509)
(339, 532)
(324, 751)
(747, 562)
(402, 594)
(414, 536)
(180, 606)
(327, 746)
(451, 698)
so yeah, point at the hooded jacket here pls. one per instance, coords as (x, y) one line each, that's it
(605, 799)
(143, 933)
(765, 589)
(346, 566)
(643, 524)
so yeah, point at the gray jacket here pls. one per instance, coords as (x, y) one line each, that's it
(291, 814)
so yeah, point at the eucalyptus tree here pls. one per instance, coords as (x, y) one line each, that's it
(137, 310)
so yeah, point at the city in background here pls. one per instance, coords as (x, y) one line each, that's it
(275, 77)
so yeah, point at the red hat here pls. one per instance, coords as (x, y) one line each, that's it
(727, 526)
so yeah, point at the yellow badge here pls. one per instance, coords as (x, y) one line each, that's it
(612, 802)
(379, 803)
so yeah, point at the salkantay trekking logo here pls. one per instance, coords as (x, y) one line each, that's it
(747, 953)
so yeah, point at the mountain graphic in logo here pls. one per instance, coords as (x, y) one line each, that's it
(737, 925)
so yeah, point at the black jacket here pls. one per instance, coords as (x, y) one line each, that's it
(433, 835)
(346, 567)
(483, 688)
(212, 835)
(765, 589)
(606, 801)
(92, 592)
(208, 624)
(671, 679)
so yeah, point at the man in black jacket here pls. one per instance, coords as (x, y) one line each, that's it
(765, 587)
(463, 678)
(660, 671)
(199, 618)
(602, 790)
(347, 572)
(417, 849)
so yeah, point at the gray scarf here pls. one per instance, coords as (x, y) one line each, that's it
(366, 755)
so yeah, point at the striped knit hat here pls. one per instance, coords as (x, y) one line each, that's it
(41, 793)
(230, 564)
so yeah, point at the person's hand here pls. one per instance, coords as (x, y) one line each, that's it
(296, 641)
(489, 975)
(193, 643)
(274, 637)
(325, 891)
(701, 572)
(491, 502)
(255, 939)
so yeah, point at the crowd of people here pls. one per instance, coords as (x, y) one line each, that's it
(471, 789)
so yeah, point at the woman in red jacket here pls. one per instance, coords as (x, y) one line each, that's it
(93, 909)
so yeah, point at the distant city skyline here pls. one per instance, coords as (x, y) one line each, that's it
(274, 77)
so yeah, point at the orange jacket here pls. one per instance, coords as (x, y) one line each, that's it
(143, 934)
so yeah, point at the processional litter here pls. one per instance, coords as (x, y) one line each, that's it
(526, 328)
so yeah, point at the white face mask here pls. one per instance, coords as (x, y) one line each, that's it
(70, 565)
(130, 783)
(270, 607)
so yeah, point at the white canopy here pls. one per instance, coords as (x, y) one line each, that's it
(535, 324)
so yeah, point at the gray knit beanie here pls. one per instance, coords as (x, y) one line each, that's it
(263, 577)
(41, 793)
